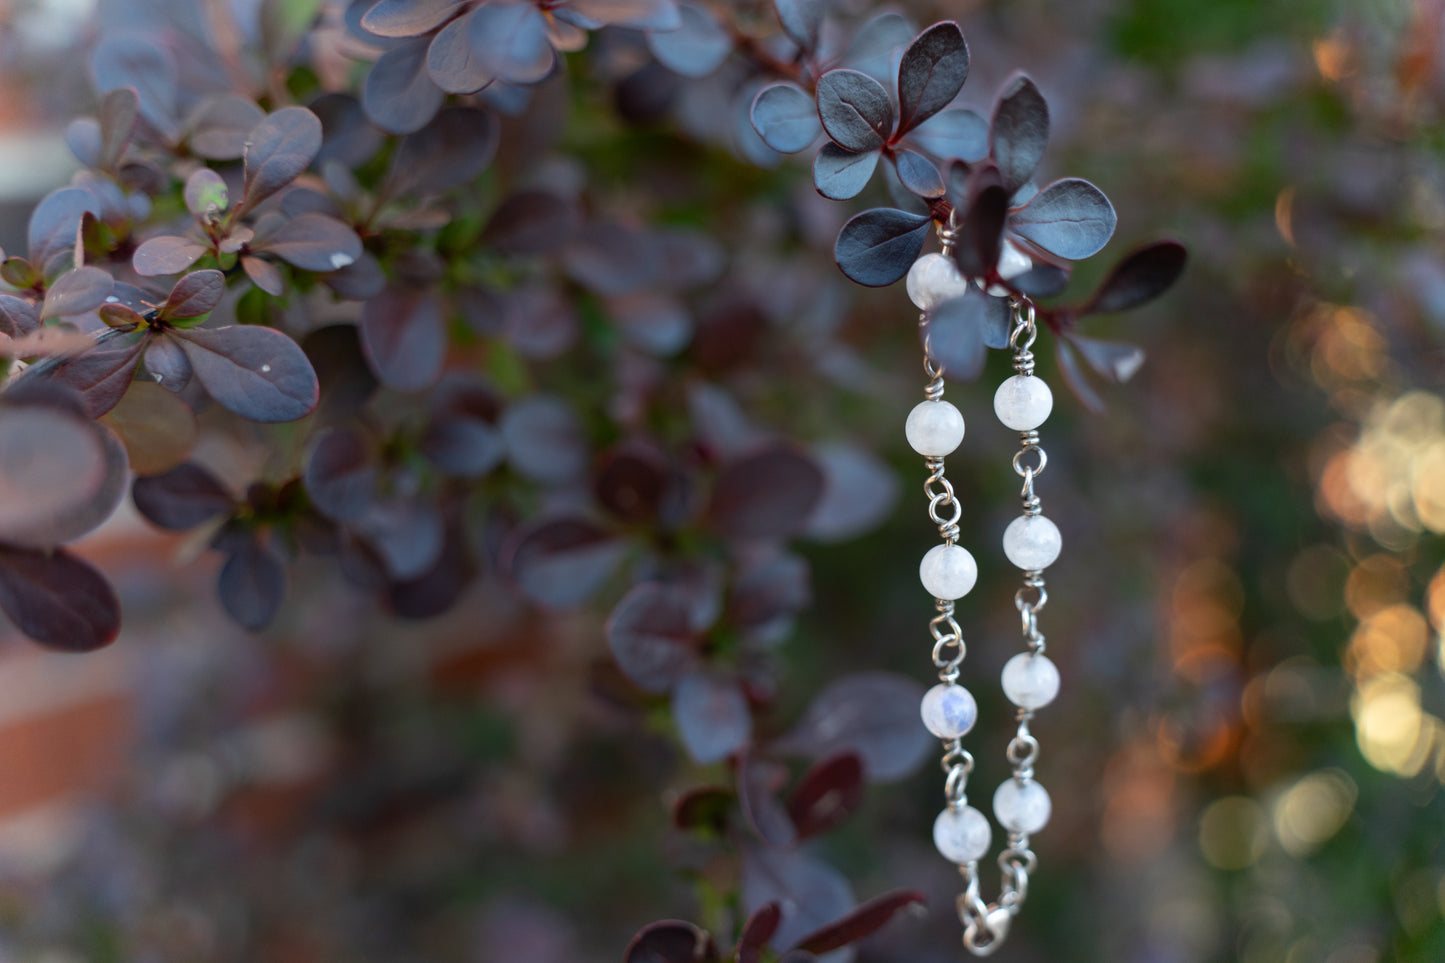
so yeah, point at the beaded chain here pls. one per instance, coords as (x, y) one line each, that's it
(934, 429)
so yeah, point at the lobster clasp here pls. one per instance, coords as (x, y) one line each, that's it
(984, 937)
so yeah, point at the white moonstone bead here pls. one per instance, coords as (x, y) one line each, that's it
(934, 428)
(1022, 807)
(934, 279)
(948, 571)
(1023, 402)
(949, 711)
(1032, 542)
(963, 836)
(1030, 681)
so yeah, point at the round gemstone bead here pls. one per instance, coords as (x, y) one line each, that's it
(1032, 542)
(1030, 681)
(1022, 807)
(962, 836)
(948, 571)
(1023, 402)
(934, 279)
(934, 428)
(949, 711)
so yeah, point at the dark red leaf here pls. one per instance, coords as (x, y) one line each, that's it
(313, 242)
(855, 110)
(758, 929)
(958, 332)
(696, 48)
(785, 117)
(62, 474)
(252, 584)
(531, 222)
(931, 73)
(264, 275)
(166, 254)
(918, 174)
(1018, 132)
(182, 498)
(257, 372)
(509, 41)
(78, 291)
(801, 20)
(863, 921)
(58, 599)
(1139, 278)
(631, 480)
(759, 781)
(860, 491)
(1070, 218)
(1074, 377)
(776, 588)
(408, 532)
(767, 494)
(827, 794)
(117, 116)
(451, 60)
(671, 941)
(278, 149)
(17, 316)
(840, 174)
(545, 440)
(653, 636)
(194, 295)
(404, 338)
(462, 446)
(703, 807)
(438, 589)
(1114, 360)
(102, 374)
(54, 222)
(134, 60)
(984, 215)
(810, 893)
(408, 18)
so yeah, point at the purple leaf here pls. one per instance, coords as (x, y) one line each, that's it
(855, 110)
(931, 73)
(958, 332)
(264, 275)
(409, 533)
(462, 446)
(696, 48)
(58, 599)
(1070, 218)
(1115, 361)
(862, 922)
(767, 494)
(659, 15)
(631, 481)
(810, 893)
(801, 20)
(985, 213)
(918, 174)
(348, 138)
(1043, 280)
(758, 783)
(220, 125)
(561, 562)
(404, 338)
(102, 374)
(76, 292)
(860, 491)
(206, 194)
(777, 588)
(544, 440)
(611, 258)
(1069, 366)
(63, 474)
(313, 242)
(454, 148)
(17, 316)
(877, 44)
(785, 117)
(758, 929)
(652, 635)
(1019, 131)
(252, 584)
(399, 95)
(712, 716)
(531, 222)
(839, 174)
(54, 222)
(408, 18)
(193, 296)
(278, 149)
(877, 247)
(670, 941)
(117, 115)
(341, 474)
(1139, 278)
(826, 795)
(257, 372)
(182, 498)
(131, 60)
(82, 136)
(957, 134)
(451, 60)
(166, 255)
(439, 588)
(874, 714)
(509, 41)
(653, 321)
